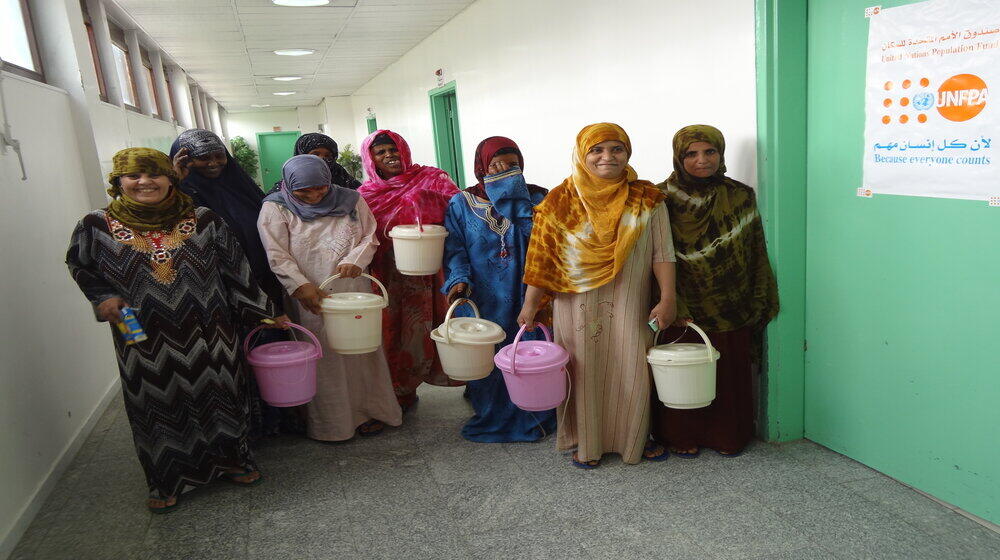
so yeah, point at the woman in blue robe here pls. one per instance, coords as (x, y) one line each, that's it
(489, 225)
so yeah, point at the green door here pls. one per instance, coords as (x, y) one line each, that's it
(372, 124)
(275, 149)
(902, 312)
(447, 138)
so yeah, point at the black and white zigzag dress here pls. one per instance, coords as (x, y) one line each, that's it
(186, 388)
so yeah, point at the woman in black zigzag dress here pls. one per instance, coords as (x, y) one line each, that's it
(185, 275)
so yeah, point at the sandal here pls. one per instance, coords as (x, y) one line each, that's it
(729, 455)
(651, 447)
(687, 455)
(587, 465)
(370, 428)
(166, 506)
(236, 475)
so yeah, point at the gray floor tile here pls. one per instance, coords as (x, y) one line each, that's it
(421, 491)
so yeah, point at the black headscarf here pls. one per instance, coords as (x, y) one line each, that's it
(338, 175)
(237, 199)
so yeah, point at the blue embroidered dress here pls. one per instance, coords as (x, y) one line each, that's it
(485, 249)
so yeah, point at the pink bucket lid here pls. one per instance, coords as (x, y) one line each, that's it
(533, 356)
(282, 353)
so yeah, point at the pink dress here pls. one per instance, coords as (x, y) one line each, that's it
(350, 389)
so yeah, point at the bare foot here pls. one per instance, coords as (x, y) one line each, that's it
(158, 505)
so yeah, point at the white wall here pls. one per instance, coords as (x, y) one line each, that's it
(59, 363)
(116, 128)
(340, 122)
(539, 70)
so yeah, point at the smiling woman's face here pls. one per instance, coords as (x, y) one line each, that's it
(607, 160)
(701, 160)
(210, 165)
(145, 187)
(387, 160)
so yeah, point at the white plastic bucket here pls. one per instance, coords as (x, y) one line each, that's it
(353, 320)
(466, 344)
(684, 373)
(419, 249)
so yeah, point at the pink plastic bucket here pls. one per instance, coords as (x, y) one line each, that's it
(285, 370)
(534, 371)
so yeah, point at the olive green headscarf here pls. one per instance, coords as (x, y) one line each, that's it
(136, 215)
(724, 278)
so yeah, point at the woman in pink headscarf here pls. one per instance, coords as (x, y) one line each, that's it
(401, 192)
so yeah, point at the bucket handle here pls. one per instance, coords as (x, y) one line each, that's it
(385, 293)
(697, 329)
(416, 212)
(315, 341)
(517, 340)
(451, 310)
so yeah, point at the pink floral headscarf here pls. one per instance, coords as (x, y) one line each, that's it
(420, 192)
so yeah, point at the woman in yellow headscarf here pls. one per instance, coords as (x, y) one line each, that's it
(598, 241)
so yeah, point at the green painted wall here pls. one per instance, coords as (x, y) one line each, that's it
(902, 302)
(781, 177)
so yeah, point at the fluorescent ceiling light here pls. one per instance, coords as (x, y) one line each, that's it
(301, 2)
(284, 93)
(260, 106)
(286, 78)
(293, 52)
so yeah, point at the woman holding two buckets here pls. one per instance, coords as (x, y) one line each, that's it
(183, 275)
(597, 242)
(726, 287)
(312, 230)
(488, 229)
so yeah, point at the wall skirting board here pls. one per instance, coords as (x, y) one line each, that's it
(59, 467)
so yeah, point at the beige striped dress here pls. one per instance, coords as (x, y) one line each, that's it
(605, 331)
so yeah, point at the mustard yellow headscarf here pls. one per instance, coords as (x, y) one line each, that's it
(136, 215)
(585, 229)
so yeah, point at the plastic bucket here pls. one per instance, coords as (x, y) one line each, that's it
(466, 345)
(684, 373)
(419, 250)
(285, 370)
(353, 320)
(534, 371)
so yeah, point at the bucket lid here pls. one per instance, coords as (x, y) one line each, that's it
(412, 231)
(470, 330)
(346, 302)
(679, 354)
(533, 356)
(280, 353)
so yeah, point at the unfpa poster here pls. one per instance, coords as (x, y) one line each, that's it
(931, 128)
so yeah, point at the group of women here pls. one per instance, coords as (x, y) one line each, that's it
(203, 256)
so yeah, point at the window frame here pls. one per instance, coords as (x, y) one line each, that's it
(147, 63)
(170, 95)
(36, 59)
(88, 24)
(118, 40)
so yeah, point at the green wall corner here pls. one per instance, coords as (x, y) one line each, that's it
(781, 27)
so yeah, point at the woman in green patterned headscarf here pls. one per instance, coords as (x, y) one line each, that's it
(724, 285)
(153, 203)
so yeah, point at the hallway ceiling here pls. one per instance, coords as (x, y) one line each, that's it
(226, 45)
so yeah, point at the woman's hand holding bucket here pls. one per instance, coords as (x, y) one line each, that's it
(310, 296)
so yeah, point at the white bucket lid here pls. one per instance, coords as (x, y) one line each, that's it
(347, 302)
(680, 354)
(412, 231)
(470, 330)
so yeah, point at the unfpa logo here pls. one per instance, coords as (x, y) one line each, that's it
(959, 98)
(962, 97)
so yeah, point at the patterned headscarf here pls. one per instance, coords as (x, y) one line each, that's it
(303, 172)
(200, 142)
(137, 215)
(420, 193)
(338, 175)
(724, 278)
(585, 229)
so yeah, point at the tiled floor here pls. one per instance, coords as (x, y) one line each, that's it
(420, 491)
